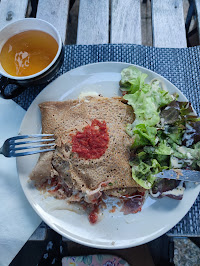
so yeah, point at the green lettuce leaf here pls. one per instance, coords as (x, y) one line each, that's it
(145, 109)
(146, 102)
(132, 79)
(163, 148)
(144, 135)
(175, 133)
(184, 157)
(196, 155)
(161, 153)
(143, 173)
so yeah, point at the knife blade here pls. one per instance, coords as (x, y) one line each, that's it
(177, 174)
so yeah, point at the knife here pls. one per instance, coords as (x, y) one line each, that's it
(177, 174)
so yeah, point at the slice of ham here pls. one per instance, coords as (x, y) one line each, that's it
(133, 204)
(171, 188)
(94, 195)
(90, 196)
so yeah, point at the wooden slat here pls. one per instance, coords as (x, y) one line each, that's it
(126, 22)
(197, 4)
(93, 22)
(12, 10)
(168, 23)
(55, 12)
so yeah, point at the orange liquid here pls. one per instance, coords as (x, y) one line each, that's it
(28, 53)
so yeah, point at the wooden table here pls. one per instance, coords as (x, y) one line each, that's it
(104, 21)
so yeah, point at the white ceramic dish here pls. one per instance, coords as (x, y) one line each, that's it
(115, 230)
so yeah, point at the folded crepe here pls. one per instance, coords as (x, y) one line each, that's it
(110, 173)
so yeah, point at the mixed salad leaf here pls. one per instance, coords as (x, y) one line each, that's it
(165, 132)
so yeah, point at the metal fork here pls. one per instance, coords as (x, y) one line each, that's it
(11, 146)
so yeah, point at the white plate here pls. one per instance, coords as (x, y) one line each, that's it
(115, 230)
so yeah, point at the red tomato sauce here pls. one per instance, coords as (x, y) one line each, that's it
(92, 142)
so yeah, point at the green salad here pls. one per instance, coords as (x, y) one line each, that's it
(165, 132)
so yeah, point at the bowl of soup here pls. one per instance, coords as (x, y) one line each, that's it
(31, 53)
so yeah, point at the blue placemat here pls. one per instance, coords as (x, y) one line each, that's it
(180, 66)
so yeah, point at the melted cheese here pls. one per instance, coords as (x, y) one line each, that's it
(87, 93)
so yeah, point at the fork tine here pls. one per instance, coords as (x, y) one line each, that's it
(31, 141)
(30, 136)
(31, 152)
(33, 147)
